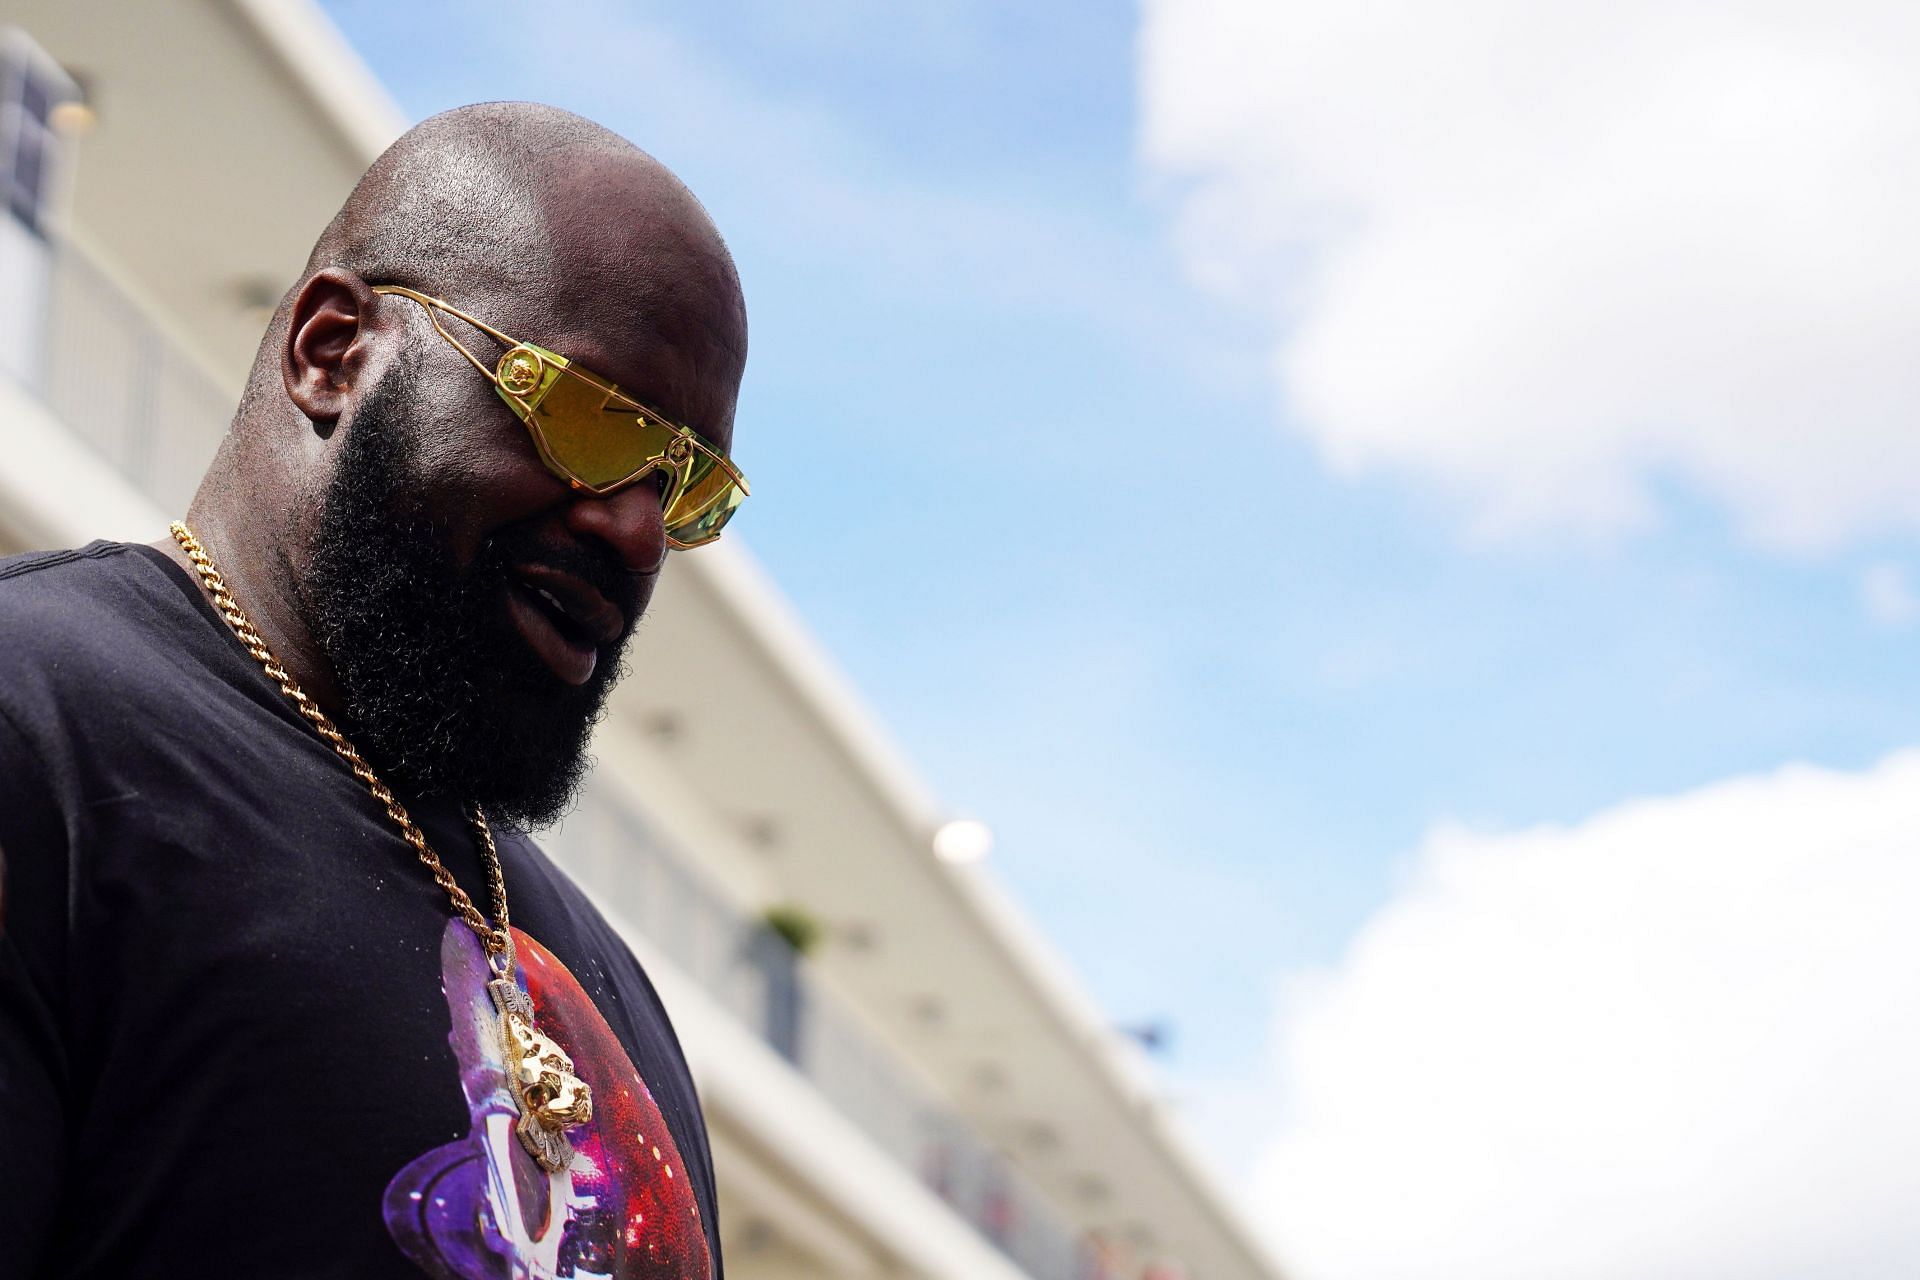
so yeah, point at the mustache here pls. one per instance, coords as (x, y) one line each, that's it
(600, 568)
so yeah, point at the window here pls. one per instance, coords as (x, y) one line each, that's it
(32, 88)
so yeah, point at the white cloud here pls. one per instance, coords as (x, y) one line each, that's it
(1540, 255)
(1887, 595)
(1676, 1042)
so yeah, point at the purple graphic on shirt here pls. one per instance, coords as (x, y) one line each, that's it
(481, 1208)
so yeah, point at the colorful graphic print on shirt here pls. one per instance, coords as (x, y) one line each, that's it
(481, 1208)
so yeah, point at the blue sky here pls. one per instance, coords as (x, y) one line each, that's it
(1045, 501)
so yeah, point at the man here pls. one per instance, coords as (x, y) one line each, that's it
(283, 989)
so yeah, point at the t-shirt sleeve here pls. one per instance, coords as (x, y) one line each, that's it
(33, 1065)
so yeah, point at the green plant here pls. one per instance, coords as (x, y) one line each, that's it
(795, 925)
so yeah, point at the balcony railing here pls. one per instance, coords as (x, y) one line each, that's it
(755, 975)
(111, 374)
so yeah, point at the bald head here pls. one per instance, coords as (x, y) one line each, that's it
(524, 212)
(497, 197)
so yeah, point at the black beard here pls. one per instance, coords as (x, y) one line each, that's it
(437, 687)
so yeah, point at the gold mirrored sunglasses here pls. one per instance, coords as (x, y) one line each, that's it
(598, 438)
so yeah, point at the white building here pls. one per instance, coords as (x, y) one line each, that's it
(927, 1093)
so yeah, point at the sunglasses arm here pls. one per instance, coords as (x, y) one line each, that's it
(433, 308)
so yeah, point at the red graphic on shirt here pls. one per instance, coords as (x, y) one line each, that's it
(660, 1233)
(482, 1207)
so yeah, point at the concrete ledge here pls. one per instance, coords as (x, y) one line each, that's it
(57, 491)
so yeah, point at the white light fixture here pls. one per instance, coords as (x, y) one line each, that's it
(75, 118)
(963, 840)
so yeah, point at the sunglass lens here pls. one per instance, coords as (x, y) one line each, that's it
(705, 502)
(588, 433)
(596, 443)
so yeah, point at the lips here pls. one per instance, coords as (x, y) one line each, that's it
(563, 619)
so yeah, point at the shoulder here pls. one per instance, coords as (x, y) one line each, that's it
(86, 634)
(55, 642)
(33, 573)
(53, 603)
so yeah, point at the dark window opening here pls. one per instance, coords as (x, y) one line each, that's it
(32, 88)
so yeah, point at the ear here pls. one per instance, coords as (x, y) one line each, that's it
(326, 344)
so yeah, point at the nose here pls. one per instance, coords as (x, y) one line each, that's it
(629, 521)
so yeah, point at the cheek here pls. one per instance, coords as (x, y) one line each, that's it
(642, 596)
(470, 435)
(481, 471)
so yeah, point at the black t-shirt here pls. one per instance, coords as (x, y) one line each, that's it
(241, 1032)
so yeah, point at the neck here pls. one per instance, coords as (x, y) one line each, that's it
(261, 580)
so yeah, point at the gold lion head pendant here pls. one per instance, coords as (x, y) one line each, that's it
(551, 1098)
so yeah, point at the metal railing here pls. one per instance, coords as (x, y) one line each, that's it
(758, 978)
(111, 374)
(116, 378)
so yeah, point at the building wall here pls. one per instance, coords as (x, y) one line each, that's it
(851, 1138)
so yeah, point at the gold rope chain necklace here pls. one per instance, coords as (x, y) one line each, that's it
(551, 1099)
